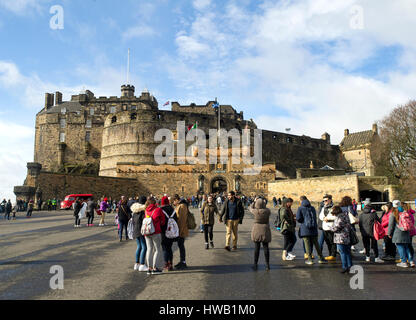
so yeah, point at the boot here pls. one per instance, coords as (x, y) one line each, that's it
(284, 255)
(170, 266)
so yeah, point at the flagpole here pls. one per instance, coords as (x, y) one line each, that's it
(128, 66)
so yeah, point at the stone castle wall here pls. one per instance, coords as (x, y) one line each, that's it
(315, 188)
(54, 185)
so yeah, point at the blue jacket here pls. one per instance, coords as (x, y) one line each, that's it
(300, 217)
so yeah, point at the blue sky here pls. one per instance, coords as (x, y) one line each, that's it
(312, 65)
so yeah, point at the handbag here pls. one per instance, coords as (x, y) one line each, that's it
(353, 237)
(353, 219)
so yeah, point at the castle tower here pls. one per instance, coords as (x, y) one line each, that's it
(127, 91)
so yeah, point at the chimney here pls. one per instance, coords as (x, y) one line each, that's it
(48, 100)
(58, 98)
(326, 137)
(375, 128)
(346, 132)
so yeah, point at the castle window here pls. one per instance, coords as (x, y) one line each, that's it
(87, 136)
(133, 107)
(92, 111)
(289, 140)
(62, 137)
(183, 188)
(88, 124)
(63, 123)
(113, 119)
(302, 142)
(63, 110)
(113, 109)
(124, 107)
(133, 116)
(274, 137)
(103, 108)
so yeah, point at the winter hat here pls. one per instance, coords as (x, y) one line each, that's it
(105, 199)
(396, 203)
(165, 201)
(142, 200)
(367, 202)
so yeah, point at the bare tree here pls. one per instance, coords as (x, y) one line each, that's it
(395, 153)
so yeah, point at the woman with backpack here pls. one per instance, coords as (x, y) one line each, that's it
(260, 233)
(308, 231)
(170, 232)
(208, 211)
(154, 240)
(288, 229)
(138, 212)
(124, 215)
(412, 232)
(366, 222)
(400, 238)
(342, 228)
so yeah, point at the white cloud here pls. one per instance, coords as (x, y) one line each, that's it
(16, 143)
(21, 7)
(201, 4)
(298, 58)
(138, 32)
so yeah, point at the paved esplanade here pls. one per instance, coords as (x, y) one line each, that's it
(97, 266)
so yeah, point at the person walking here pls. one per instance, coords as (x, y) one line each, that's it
(91, 206)
(30, 206)
(288, 229)
(8, 209)
(366, 222)
(124, 215)
(167, 243)
(203, 200)
(390, 248)
(232, 213)
(208, 212)
(182, 209)
(400, 238)
(77, 209)
(154, 240)
(308, 231)
(342, 228)
(260, 233)
(104, 206)
(138, 211)
(328, 219)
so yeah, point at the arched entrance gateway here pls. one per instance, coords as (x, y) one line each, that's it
(219, 185)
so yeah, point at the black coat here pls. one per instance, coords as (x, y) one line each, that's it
(367, 219)
(124, 213)
(77, 208)
(137, 222)
(304, 231)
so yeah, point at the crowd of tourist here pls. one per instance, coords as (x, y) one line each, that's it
(156, 224)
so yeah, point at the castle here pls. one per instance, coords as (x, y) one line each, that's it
(106, 146)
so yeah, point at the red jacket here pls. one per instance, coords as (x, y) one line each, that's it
(385, 221)
(158, 217)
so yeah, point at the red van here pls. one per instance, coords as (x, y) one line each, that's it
(70, 199)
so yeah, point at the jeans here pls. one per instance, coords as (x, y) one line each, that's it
(7, 216)
(167, 249)
(208, 230)
(182, 252)
(404, 252)
(321, 240)
(345, 253)
(77, 220)
(154, 250)
(141, 250)
(90, 218)
(123, 225)
(290, 241)
(29, 213)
